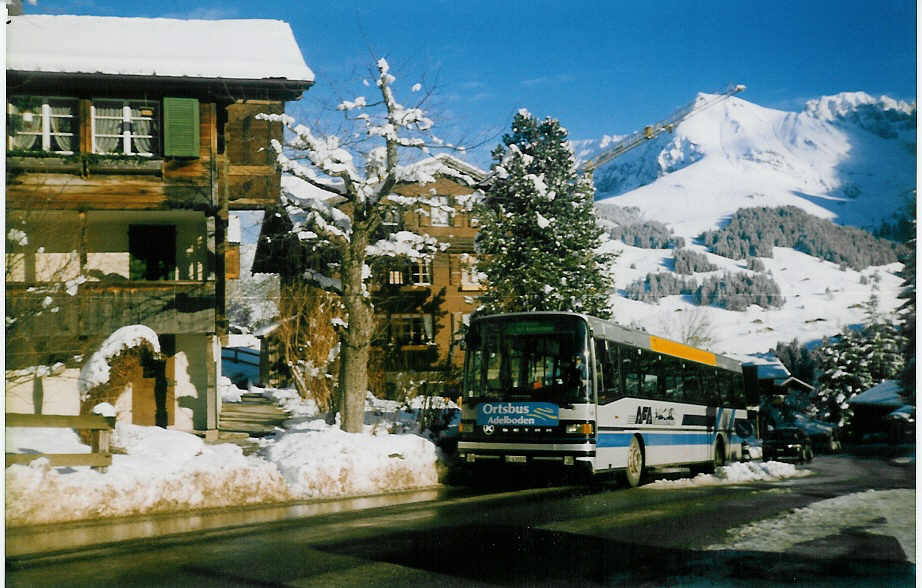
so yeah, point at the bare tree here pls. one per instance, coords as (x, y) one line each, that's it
(692, 327)
(308, 339)
(361, 170)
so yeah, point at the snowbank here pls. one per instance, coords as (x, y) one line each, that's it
(162, 471)
(736, 473)
(167, 471)
(317, 459)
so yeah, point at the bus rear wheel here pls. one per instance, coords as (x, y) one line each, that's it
(635, 463)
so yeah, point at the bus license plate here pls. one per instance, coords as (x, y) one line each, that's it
(515, 459)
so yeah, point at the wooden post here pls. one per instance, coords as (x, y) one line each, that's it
(84, 237)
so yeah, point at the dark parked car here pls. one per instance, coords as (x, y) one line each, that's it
(787, 443)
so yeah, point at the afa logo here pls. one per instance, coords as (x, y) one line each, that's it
(644, 416)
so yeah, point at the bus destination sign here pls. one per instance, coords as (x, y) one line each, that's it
(529, 414)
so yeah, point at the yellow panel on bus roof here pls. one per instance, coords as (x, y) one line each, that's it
(683, 351)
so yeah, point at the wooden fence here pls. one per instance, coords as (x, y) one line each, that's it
(100, 427)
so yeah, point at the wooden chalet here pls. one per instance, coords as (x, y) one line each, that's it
(421, 307)
(129, 141)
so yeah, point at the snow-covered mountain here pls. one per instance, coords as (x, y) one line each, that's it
(848, 158)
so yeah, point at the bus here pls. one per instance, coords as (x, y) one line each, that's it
(571, 390)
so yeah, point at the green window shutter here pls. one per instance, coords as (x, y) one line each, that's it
(180, 127)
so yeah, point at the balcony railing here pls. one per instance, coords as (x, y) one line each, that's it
(102, 307)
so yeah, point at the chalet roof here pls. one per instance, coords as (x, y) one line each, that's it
(887, 393)
(161, 47)
(450, 166)
(792, 382)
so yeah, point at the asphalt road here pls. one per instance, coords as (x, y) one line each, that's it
(515, 532)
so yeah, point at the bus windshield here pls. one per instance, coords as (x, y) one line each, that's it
(528, 359)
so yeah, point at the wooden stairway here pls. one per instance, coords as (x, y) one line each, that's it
(253, 416)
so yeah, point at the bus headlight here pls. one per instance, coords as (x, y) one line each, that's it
(579, 429)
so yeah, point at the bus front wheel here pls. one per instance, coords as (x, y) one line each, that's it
(635, 463)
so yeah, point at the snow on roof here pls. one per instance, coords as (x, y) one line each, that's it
(785, 382)
(887, 393)
(905, 413)
(230, 49)
(443, 164)
(303, 190)
(769, 367)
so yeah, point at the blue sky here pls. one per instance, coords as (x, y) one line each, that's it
(599, 67)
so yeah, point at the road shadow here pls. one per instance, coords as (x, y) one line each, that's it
(523, 556)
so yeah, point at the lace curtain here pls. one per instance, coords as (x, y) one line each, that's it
(142, 132)
(62, 127)
(108, 133)
(28, 122)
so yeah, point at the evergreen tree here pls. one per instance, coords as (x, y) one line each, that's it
(539, 237)
(907, 318)
(844, 373)
(798, 360)
(881, 339)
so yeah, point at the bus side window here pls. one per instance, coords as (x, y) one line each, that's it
(630, 370)
(650, 375)
(607, 367)
(691, 384)
(672, 379)
(734, 388)
(709, 385)
(615, 385)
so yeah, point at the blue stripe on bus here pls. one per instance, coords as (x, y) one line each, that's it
(624, 439)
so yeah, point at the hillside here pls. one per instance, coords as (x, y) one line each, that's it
(848, 158)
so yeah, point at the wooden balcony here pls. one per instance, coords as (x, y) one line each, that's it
(99, 308)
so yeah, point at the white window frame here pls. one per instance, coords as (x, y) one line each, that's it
(470, 277)
(46, 116)
(415, 324)
(421, 272)
(390, 218)
(395, 277)
(126, 120)
(441, 214)
(413, 272)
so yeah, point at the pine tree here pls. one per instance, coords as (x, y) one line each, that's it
(907, 316)
(539, 238)
(845, 372)
(882, 341)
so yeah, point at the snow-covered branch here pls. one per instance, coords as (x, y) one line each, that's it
(406, 244)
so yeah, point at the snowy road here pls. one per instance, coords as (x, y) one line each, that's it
(813, 530)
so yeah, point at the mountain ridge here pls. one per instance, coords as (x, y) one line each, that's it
(849, 158)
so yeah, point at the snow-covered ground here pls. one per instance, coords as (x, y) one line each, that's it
(821, 300)
(167, 471)
(735, 473)
(881, 512)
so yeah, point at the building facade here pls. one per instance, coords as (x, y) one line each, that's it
(123, 162)
(423, 307)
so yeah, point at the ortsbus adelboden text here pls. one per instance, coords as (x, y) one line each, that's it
(550, 388)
